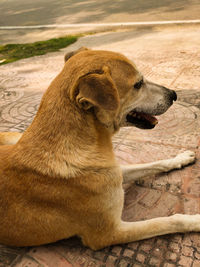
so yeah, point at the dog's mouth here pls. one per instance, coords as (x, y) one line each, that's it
(141, 120)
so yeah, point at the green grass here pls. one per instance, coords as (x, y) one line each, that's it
(13, 52)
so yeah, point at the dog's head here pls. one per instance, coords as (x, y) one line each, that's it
(109, 87)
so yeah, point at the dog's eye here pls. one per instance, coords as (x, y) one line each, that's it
(138, 84)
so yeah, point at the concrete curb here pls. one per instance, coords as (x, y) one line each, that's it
(80, 25)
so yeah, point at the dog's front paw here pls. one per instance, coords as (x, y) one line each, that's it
(184, 159)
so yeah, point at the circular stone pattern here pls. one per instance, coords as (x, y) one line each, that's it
(19, 114)
(9, 95)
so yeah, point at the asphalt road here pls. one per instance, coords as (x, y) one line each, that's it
(37, 12)
(45, 12)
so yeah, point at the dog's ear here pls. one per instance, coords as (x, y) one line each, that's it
(72, 53)
(96, 89)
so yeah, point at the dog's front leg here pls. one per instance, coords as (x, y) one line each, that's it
(136, 171)
(127, 232)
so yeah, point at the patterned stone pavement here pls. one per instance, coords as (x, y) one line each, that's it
(170, 57)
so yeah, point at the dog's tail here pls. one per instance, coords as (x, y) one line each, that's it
(9, 138)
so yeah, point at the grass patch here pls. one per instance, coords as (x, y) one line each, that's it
(13, 52)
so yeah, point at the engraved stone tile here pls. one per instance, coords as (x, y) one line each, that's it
(169, 57)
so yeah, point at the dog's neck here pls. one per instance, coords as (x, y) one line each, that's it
(62, 141)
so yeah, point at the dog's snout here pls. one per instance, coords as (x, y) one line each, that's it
(173, 95)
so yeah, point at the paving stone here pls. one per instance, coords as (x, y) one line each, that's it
(176, 65)
(146, 247)
(150, 199)
(111, 260)
(9, 255)
(116, 250)
(141, 258)
(195, 263)
(128, 253)
(171, 256)
(157, 252)
(167, 264)
(133, 245)
(191, 205)
(162, 242)
(197, 255)
(185, 261)
(48, 257)
(187, 251)
(123, 263)
(195, 240)
(154, 261)
(174, 247)
(28, 262)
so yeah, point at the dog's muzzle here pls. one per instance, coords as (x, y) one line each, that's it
(146, 120)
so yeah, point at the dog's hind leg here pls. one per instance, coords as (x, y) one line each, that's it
(136, 171)
(9, 138)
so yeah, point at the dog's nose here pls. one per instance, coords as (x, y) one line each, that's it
(173, 95)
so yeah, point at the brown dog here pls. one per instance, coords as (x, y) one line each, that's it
(61, 178)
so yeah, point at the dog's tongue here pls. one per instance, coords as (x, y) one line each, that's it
(147, 117)
(141, 120)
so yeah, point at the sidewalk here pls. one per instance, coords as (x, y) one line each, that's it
(165, 55)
